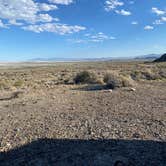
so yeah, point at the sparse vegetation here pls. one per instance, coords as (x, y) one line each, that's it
(18, 83)
(3, 85)
(114, 80)
(148, 74)
(33, 96)
(85, 77)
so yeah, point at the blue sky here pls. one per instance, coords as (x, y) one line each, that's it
(81, 28)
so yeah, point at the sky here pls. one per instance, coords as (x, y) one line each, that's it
(81, 28)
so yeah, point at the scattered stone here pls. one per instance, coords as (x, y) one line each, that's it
(108, 91)
(133, 89)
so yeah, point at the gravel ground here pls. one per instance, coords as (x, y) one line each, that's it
(78, 126)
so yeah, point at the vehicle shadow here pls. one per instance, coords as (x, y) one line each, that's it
(64, 152)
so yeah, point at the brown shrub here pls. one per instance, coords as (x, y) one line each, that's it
(85, 77)
(145, 75)
(114, 80)
(18, 83)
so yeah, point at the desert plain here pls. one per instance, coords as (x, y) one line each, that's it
(47, 119)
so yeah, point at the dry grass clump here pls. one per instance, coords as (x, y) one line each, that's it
(162, 73)
(18, 83)
(85, 77)
(114, 80)
(4, 85)
(145, 75)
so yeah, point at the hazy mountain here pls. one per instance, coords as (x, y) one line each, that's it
(143, 57)
(148, 56)
(69, 59)
(161, 59)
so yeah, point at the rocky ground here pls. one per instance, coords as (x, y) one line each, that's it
(45, 123)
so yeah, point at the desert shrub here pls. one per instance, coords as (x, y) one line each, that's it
(85, 77)
(149, 75)
(3, 85)
(114, 80)
(162, 73)
(18, 83)
(145, 75)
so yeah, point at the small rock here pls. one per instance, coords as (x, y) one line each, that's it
(73, 108)
(136, 135)
(8, 144)
(108, 91)
(132, 89)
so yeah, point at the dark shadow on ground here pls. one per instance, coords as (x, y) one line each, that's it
(93, 87)
(54, 152)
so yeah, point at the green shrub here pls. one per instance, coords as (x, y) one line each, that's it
(85, 77)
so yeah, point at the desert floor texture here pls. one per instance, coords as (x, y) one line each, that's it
(46, 119)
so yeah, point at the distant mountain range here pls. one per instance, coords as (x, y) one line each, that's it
(148, 57)
(69, 59)
(142, 57)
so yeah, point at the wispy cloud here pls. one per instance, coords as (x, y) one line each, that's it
(62, 2)
(14, 22)
(160, 21)
(93, 38)
(161, 16)
(2, 25)
(54, 28)
(33, 16)
(112, 4)
(100, 37)
(123, 12)
(47, 7)
(148, 27)
(134, 22)
(27, 11)
(158, 11)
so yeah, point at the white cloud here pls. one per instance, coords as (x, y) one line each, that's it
(163, 19)
(2, 25)
(54, 28)
(157, 11)
(96, 38)
(76, 41)
(160, 13)
(112, 4)
(134, 23)
(123, 12)
(148, 27)
(25, 10)
(34, 15)
(44, 18)
(160, 21)
(14, 22)
(100, 37)
(112, 38)
(157, 22)
(47, 7)
(62, 2)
